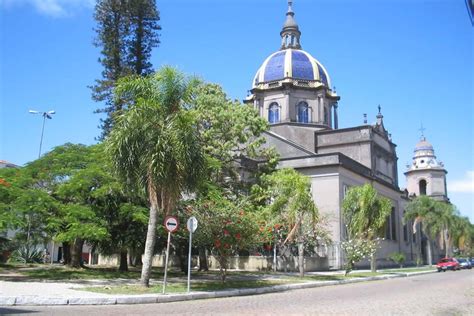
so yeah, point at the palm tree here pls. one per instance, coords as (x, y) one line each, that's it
(155, 146)
(442, 224)
(460, 232)
(422, 210)
(365, 214)
(292, 204)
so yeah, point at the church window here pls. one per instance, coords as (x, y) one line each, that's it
(303, 112)
(422, 187)
(391, 226)
(345, 189)
(405, 233)
(274, 113)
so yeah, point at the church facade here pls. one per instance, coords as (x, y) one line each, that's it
(292, 90)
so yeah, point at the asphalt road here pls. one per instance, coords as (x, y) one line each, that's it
(449, 293)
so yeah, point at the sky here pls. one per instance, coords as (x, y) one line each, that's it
(413, 57)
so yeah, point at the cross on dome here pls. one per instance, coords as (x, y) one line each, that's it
(422, 130)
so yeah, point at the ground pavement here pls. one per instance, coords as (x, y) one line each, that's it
(21, 291)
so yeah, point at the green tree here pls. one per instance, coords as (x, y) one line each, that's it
(365, 214)
(227, 225)
(289, 202)
(230, 131)
(103, 201)
(232, 136)
(155, 145)
(422, 210)
(25, 210)
(143, 18)
(442, 224)
(69, 175)
(126, 33)
(460, 233)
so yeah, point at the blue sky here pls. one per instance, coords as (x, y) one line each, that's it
(413, 57)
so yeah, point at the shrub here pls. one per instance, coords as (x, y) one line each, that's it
(398, 257)
(26, 254)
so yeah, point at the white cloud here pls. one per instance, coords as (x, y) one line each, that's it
(465, 185)
(54, 8)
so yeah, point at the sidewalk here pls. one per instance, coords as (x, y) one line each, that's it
(66, 293)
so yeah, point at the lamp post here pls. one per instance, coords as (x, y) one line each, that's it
(46, 115)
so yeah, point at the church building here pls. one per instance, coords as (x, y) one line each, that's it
(292, 90)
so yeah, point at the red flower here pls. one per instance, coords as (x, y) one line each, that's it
(226, 232)
(241, 213)
(268, 247)
(4, 182)
(226, 245)
(238, 236)
(217, 243)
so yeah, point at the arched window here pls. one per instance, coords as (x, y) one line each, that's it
(303, 115)
(422, 185)
(274, 113)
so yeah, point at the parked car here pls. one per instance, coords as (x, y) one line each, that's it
(464, 263)
(471, 260)
(448, 264)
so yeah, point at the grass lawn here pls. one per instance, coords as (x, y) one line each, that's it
(217, 285)
(58, 272)
(181, 287)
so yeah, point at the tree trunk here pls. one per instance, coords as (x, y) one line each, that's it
(430, 258)
(131, 257)
(203, 264)
(183, 258)
(138, 259)
(149, 246)
(76, 253)
(301, 256)
(223, 267)
(123, 261)
(373, 262)
(446, 242)
(66, 253)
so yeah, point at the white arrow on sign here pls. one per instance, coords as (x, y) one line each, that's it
(192, 224)
(171, 224)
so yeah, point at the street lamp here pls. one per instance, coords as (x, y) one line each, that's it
(46, 115)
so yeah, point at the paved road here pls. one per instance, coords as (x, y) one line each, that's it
(450, 293)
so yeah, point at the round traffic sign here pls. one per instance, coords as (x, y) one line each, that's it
(192, 224)
(171, 224)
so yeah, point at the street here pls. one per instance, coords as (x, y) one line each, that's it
(449, 293)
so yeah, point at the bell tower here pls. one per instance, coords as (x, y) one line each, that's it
(426, 176)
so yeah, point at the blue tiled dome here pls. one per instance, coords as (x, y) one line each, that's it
(291, 63)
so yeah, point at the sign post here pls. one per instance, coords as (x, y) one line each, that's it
(191, 225)
(171, 225)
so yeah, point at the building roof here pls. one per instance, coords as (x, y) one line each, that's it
(7, 164)
(291, 63)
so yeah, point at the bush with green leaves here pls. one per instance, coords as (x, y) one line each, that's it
(357, 249)
(226, 225)
(26, 254)
(398, 257)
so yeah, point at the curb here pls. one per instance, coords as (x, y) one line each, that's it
(152, 299)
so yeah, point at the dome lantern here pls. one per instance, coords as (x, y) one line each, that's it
(290, 34)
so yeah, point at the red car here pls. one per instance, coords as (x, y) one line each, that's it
(448, 264)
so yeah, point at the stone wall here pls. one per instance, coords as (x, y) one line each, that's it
(250, 263)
